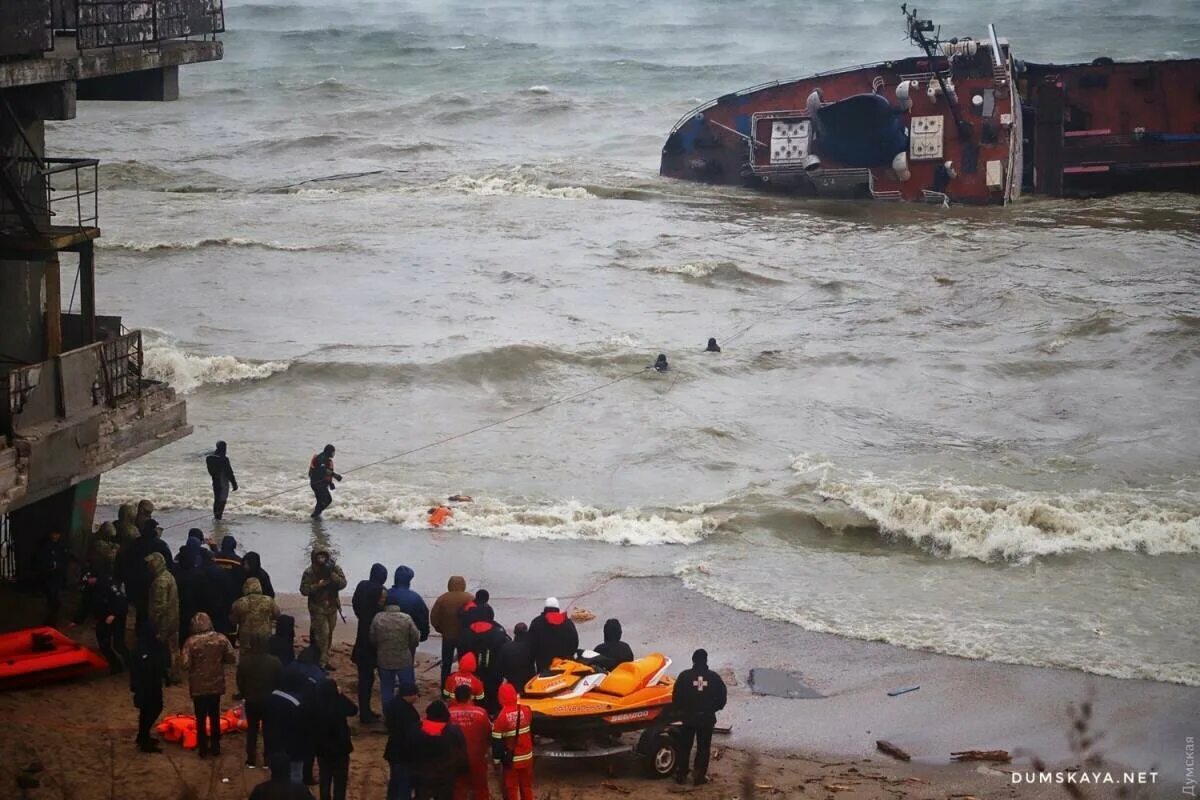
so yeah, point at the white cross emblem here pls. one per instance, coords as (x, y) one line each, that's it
(700, 683)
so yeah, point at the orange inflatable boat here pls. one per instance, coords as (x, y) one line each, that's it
(43, 655)
(181, 728)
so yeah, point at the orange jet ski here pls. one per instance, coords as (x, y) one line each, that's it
(584, 706)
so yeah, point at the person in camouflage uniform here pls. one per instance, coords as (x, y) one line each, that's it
(127, 529)
(254, 613)
(102, 551)
(321, 583)
(164, 608)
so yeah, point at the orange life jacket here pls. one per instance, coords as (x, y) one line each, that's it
(439, 515)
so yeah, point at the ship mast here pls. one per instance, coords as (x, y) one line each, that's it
(917, 28)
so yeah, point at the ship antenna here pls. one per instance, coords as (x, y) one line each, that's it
(917, 28)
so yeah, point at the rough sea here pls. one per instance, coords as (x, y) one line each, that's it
(379, 224)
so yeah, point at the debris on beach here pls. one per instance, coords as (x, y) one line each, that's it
(1000, 756)
(902, 690)
(460, 498)
(892, 750)
(777, 683)
(582, 615)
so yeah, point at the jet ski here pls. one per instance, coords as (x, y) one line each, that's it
(584, 705)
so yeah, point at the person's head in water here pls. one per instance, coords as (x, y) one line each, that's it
(713, 347)
(221, 447)
(661, 365)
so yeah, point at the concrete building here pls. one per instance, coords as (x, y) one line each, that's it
(74, 401)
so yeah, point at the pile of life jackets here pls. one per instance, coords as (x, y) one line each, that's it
(181, 728)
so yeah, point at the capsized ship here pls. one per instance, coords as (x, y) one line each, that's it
(963, 122)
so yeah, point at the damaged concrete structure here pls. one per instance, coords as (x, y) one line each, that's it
(74, 401)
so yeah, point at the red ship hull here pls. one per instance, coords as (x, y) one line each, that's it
(966, 125)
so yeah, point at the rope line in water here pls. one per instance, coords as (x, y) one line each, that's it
(444, 440)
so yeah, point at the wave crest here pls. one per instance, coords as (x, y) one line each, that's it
(188, 371)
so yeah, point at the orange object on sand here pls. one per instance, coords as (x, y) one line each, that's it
(182, 727)
(43, 655)
(439, 515)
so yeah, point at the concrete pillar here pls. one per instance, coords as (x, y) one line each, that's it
(53, 309)
(22, 338)
(87, 290)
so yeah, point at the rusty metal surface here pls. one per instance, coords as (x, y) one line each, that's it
(26, 28)
(113, 23)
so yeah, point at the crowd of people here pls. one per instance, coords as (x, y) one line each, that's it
(208, 607)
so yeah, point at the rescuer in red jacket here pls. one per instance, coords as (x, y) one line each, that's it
(464, 676)
(512, 744)
(477, 730)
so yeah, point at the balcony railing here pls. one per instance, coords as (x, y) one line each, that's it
(102, 374)
(113, 23)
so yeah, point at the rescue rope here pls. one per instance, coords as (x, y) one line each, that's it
(437, 443)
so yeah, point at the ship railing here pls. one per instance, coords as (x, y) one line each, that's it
(769, 85)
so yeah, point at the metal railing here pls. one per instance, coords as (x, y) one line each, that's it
(118, 374)
(121, 361)
(113, 23)
(73, 192)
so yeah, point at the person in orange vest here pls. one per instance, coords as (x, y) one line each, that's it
(465, 676)
(477, 730)
(512, 744)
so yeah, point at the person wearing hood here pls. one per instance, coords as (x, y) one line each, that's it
(131, 567)
(321, 583)
(221, 472)
(50, 565)
(552, 635)
(395, 638)
(367, 602)
(516, 658)
(252, 568)
(164, 607)
(227, 557)
(103, 601)
(477, 731)
(512, 744)
(254, 614)
(331, 738)
(127, 529)
(307, 675)
(612, 648)
(484, 639)
(284, 730)
(102, 551)
(698, 695)
(282, 643)
(464, 676)
(196, 590)
(441, 754)
(321, 477)
(148, 672)
(446, 618)
(280, 785)
(193, 548)
(205, 655)
(258, 675)
(145, 511)
(404, 731)
(409, 601)
(473, 610)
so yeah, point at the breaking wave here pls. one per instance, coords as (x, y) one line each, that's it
(188, 371)
(512, 183)
(990, 524)
(148, 177)
(362, 500)
(710, 271)
(211, 241)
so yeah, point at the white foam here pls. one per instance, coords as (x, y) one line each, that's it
(997, 523)
(538, 89)
(510, 184)
(361, 500)
(188, 371)
(195, 244)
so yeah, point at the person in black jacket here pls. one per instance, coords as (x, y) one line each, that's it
(516, 658)
(131, 567)
(331, 738)
(252, 568)
(50, 564)
(221, 472)
(195, 590)
(473, 610)
(485, 639)
(105, 603)
(442, 754)
(284, 728)
(404, 730)
(615, 651)
(698, 695)
(282, 643)
(552, 635)
(148, 672)
(368, 600)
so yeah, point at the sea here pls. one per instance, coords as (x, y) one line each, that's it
(433, 234)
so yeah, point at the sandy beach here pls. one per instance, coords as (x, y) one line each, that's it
(81, 732)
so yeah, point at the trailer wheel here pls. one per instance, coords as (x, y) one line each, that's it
(659, 751)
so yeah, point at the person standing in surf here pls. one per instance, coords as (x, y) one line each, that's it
(221, 472)
(321, 477)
